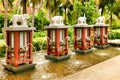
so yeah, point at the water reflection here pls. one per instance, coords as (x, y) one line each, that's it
(47, 70)
(118, 48)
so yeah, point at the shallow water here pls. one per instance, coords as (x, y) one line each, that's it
(47, 70)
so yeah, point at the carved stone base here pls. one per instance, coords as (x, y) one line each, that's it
(55, 58)
(102, 47)
(20, 68)
(84, 51)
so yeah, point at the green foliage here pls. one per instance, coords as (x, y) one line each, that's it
(117, 9)
(89, 9)
(39, 34)
(39, 40)
(41, 20)
(1, 22)
(2, 48)
(76, 13)
(1, 36)
(70, 35)
(39, 43)
(90, 12)
(116, 25)
(115, 34)
(115, 22)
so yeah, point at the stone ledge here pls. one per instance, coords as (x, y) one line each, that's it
(20, 68)
(55, 58)
(83, 51)
(102, 47)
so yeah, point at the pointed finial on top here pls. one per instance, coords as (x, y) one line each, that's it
(84, 14)
(100, 10)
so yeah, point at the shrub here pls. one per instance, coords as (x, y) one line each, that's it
(1, 22)
(1, 36)
(41, 20)
(115, 35)
(89, 9)
(39, 34)
(71, 35)
(2, 48)
(39, 43)
(116, 24)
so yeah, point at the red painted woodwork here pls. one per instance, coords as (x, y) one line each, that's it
(102, 39)
(17, 55)
(83, 43)
(57, 48)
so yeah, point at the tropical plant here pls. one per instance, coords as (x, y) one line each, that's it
(2, 48)
(41, 20)
(35, 2)
(76, 13)
(67, 6)
(89, 9)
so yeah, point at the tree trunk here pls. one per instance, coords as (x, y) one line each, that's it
(49, 6)
(110, 25)
(24, 6)
(6, 13)
(55, 7)
(65, 15)
(33, 16)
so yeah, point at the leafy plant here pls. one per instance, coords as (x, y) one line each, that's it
(39, 34)
(1, 36)
(41, 20)
(88, 8)
(2, 48)
(115, 34)
(1, 22)
(39, 43)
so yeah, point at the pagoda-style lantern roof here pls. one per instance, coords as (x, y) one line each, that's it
(57, 39)
(82, 31)
(19, 45)
(56, 22)
(18, 28)
(82, 22)
(101, 22)
(101, 33)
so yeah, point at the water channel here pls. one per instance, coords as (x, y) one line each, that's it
(48, 70)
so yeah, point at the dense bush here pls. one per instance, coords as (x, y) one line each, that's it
(1, 22)
(115, 23)
(39, 34)
(115, 34)
(41, 20)
(39, 43)
(2, 48)
(88, 8)
(1, 36)
(71, 35)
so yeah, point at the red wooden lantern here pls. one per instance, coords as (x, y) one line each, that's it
(101, 33)
(57, 39)
(82, 42)
(19, 48)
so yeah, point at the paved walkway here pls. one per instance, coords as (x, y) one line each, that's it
(114, 41)
(107, 70)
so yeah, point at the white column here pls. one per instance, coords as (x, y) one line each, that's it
(12, 40)
(21, 40)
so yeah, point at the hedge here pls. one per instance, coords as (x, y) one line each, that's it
(39, 43)
(2, 48)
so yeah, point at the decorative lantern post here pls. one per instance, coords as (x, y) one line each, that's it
(82, 31)
(19, 45)
(101, 33)
(57, 39)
